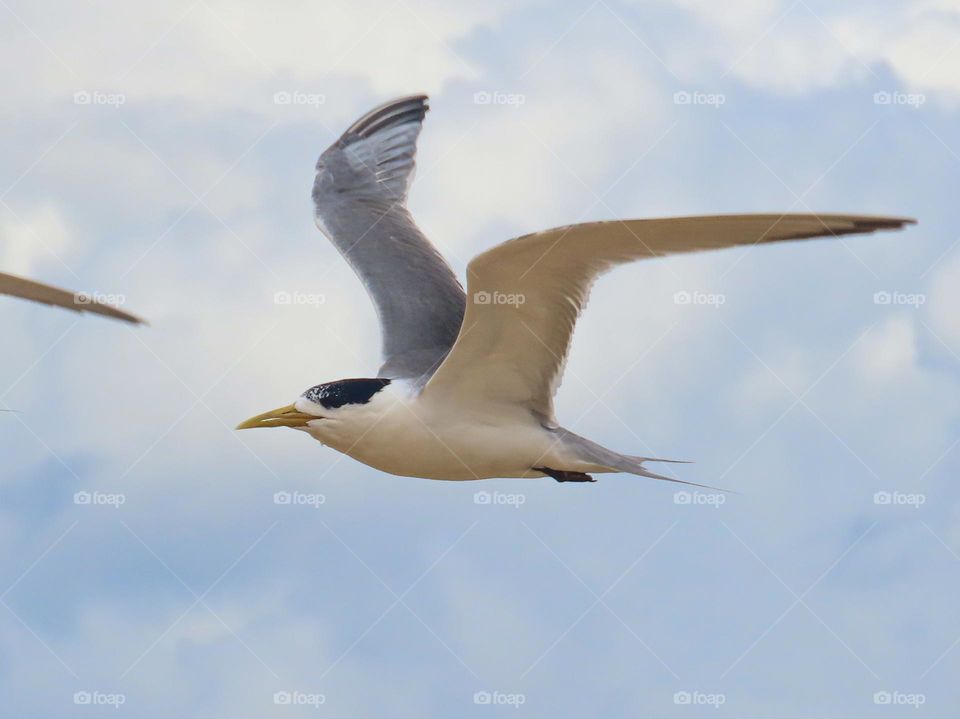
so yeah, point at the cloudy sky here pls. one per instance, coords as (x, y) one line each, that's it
(162, 154)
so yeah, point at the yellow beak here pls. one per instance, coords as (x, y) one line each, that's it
(281, 417)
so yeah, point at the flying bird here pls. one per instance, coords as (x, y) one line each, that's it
(468, 379)
(50, 295)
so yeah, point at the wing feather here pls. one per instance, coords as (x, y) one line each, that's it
(527, 293)
(50, 295)
(360, 196)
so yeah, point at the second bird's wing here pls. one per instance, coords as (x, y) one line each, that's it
(526, 295)
(360, 195)
(49, 295)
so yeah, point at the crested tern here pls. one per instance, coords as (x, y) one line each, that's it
(466, 387)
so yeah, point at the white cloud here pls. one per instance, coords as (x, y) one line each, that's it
(888, 352)
(544, 162)
(773, 385)
(240, 54)
(799, 47)
(32, 240)
(944, 301)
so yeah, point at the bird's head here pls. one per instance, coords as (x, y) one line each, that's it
(320, 402)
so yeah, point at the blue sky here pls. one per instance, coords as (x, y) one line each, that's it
(150, 152)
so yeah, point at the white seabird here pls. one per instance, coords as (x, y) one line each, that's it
(466, 387)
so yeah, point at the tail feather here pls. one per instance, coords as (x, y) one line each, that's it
(658, 459)
(592, 452)
(641, 471)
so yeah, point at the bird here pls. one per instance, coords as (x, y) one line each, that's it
(24, 288)
(466, 388)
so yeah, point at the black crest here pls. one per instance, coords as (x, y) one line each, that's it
(346, 391)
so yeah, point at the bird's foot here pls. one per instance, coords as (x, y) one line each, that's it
(562, 475)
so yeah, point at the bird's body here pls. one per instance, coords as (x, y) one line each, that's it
(468, 379)
(398, 432)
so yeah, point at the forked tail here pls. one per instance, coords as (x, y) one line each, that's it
(590, 451)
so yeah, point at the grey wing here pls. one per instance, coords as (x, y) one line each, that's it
(360, 195)
(49, 295)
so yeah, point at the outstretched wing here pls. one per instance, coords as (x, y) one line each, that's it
(360, 197)
(49, 295)
(526, 295)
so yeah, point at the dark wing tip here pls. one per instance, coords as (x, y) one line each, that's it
(400, 111)
(105, 310)
(841, 225)
(871, 224)
(128, 317)
(865, 225)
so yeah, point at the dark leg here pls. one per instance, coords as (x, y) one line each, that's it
(561, 475)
